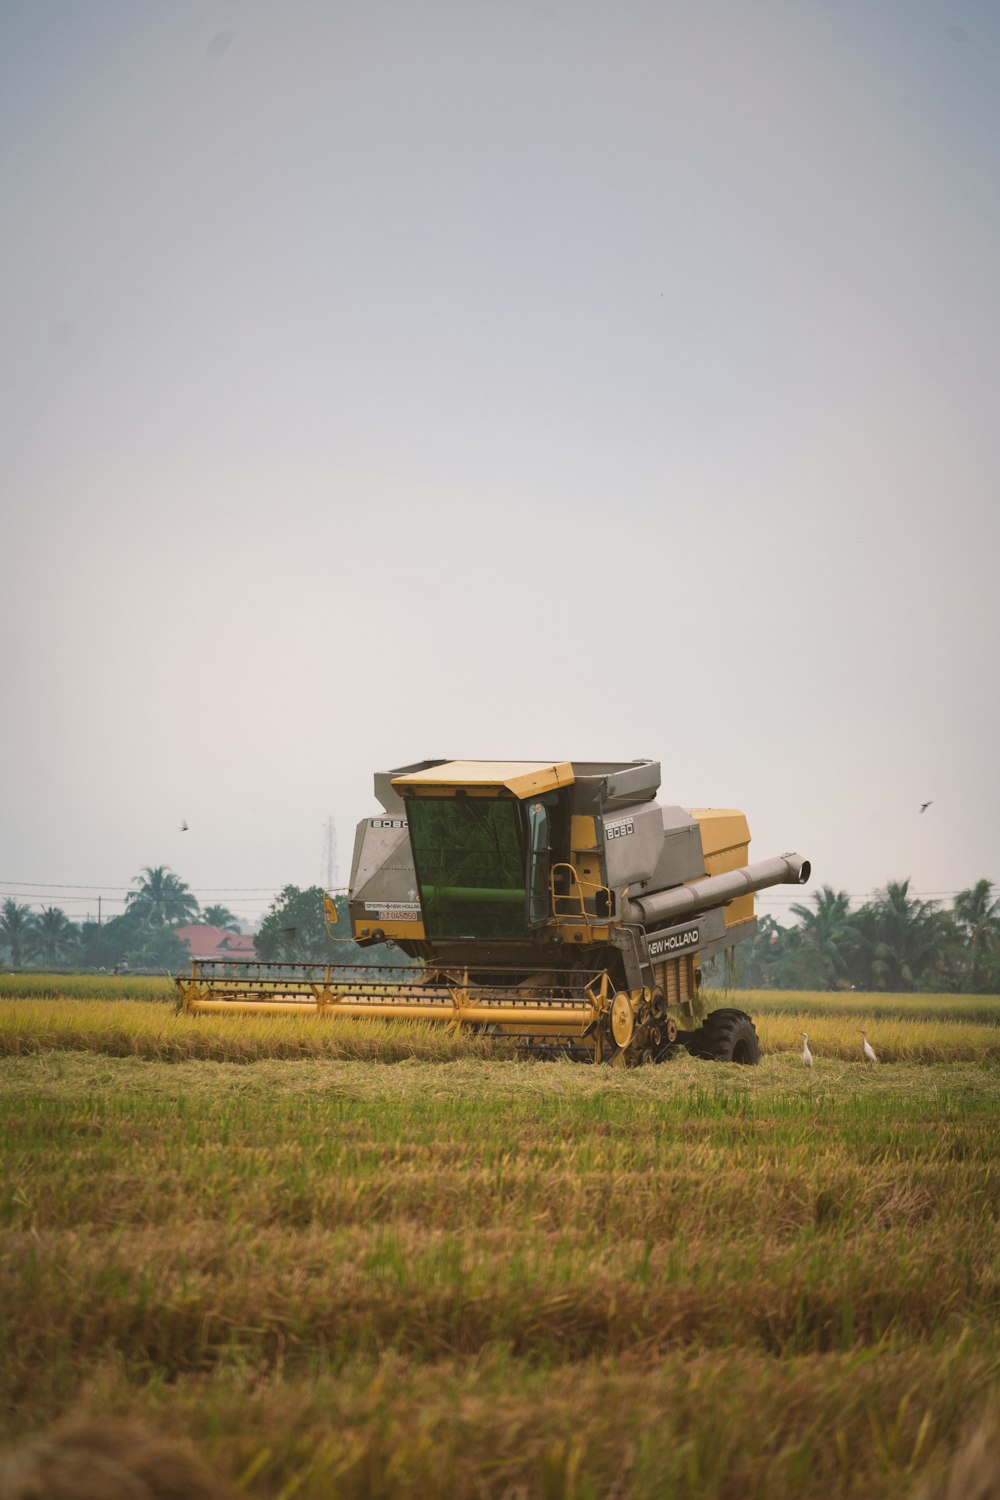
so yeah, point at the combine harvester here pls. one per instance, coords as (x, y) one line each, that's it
(558, 903)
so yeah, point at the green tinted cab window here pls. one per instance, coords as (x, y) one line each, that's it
(470, 866)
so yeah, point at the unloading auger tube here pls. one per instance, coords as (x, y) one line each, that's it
(787, 869)
(556, 902)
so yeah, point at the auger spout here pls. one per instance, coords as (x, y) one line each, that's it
(716, 890)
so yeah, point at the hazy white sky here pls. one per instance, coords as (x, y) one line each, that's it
(576, 380)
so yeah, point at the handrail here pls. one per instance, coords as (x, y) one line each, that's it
(586, 890)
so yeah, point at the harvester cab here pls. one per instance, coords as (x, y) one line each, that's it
(559, 902)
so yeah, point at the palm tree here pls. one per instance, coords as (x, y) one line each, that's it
(906, 936)
(161, 898)
(16, 925)
(978, 917)
(53, 936)
(220, 916)
(827, 928)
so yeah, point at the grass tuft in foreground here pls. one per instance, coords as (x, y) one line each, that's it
(498, 1277)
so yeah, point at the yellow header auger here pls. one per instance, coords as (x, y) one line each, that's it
(555, 902)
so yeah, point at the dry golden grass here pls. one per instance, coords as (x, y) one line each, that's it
(470, 1273)
(150, 1027)
(157, 1031)
(721, 1423)
(507, 1278)
(894, 1040)
(984, 1009)
(104, 1458)
(22, 986)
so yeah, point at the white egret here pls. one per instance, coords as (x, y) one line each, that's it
(807, 1056)
(868, 1049)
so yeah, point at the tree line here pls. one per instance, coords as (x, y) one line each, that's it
(894, 942)
(144, 936)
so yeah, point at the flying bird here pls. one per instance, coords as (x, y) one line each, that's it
(220, 45)
(807, 1056)
(924, 806)
(184, 825)
(868, 1049)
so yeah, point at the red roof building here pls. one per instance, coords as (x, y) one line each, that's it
(216, 942)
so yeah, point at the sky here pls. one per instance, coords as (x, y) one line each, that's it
(392, 379)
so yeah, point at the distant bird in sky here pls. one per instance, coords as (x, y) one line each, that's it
(184, 825)
(924, 806)
(807, 1056)
(220, 45)
(868, 1049)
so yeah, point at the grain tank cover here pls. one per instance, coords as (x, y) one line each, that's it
(486, 778)
(608, 786)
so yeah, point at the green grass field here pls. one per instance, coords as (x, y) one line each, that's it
(387, 1261)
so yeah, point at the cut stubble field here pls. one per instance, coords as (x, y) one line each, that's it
(380, 1260)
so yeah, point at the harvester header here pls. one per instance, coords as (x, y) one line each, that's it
(557, 901)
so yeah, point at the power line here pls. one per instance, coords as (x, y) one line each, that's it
(67, 885)
(64, 885)
(28, 888)
(790, 899)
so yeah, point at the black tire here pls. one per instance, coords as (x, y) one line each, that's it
(726, 1036)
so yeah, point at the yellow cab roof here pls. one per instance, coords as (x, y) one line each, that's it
(523, 778)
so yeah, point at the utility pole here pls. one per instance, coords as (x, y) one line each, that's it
(98, 911)
(329, 873)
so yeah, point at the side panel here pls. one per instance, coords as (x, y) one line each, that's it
(725, 838)
(675, 977)
(633, 843)
(705, 934)
(681, 858)
(383, 881)
(695, 934)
